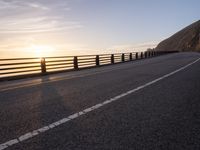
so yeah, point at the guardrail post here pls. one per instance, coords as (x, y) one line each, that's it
(112, 59)
(136, 56)
(43, 66)
(123, 58)
(97, 60)
(141, 55)
(75, 62)
(145, 54)
(131, 56)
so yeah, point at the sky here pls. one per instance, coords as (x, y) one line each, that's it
(31, 28)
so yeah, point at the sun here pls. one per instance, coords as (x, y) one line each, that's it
(41, 50)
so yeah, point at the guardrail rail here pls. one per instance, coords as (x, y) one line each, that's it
(26, 67)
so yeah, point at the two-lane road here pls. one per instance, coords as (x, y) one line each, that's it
(146, 104)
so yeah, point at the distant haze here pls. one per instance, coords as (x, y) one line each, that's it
(32, 28)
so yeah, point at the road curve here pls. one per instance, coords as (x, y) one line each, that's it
(146, 104)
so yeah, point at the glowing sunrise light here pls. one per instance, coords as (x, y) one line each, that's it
(41, 50)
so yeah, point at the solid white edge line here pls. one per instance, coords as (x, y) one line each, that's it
(34, 133)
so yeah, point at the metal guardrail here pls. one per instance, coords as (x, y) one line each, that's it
(24, 67)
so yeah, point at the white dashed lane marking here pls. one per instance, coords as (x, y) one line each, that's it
(34, 133)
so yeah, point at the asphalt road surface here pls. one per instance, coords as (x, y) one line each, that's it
(146, 104)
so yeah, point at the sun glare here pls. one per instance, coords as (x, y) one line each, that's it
(41, 50)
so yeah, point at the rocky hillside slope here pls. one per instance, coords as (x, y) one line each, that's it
(188, 39)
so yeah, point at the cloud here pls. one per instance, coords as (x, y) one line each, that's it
(37, 6)
(34, 16)
(20, 4)
(37, 25)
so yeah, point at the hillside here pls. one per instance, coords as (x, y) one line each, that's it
(188, 39)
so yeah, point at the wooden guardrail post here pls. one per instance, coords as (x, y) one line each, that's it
(97, 60)
(75, 62)
(136, 56)
(43, 66)
(141, 56)
(130, 56)
(123, 57)
(112, 59)
(145, 54)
